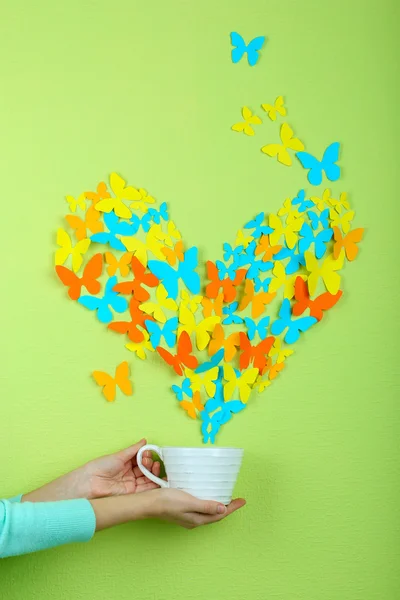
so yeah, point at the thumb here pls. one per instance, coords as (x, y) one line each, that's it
(131, 451)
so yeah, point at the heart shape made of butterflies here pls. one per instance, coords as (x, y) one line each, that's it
(218, 337)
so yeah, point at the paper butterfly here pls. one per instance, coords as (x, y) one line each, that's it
(185, 271)
(131, 328)
(115, 227)
(249, 120)
(101, 305)
(114, 264)
(183, 357)
(317, 220)
(243, 382)
(319, 240)
(293, 327)
(229, 311)
(75, 203)
(167, 331)
(183, 390)
(240, 48)
(348, 242)
(316, 306)
(140, 278)
(318, 167)
(208, 365)
(139, 348)
(122, 192)
(91, 272)
(254, 354)
(121, 379)
(301, 203)
(275, 109)
(281, 151)
(67, 248)
(327, 271)
(91, 222)
(257, 226)
(261, 327)
(203, 330)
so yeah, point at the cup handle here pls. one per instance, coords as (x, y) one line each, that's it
(146, 472)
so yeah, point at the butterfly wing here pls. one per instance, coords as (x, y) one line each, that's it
(329, 159)
(321, 239)
(308, 161)
(167, 275)
(252, 49)
(239, 46)
(91, 273)
(122, 379)
(186, 270)
(108, 384)
(302, 324)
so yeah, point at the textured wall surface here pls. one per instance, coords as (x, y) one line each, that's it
(148, 89)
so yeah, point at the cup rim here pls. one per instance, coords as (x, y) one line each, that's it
(202, 449)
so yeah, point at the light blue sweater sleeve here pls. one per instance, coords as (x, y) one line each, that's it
(31, 526)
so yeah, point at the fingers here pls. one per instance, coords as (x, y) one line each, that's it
(206, 519)
(131, 451)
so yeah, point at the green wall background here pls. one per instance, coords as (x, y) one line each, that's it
(148, 89)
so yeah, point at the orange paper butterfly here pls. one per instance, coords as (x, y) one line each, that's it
(110, 384)
(184, 357)
(348, 242)
(230, 344)
(258, 301)
(101, 194)
(265, 247)
(323, 302)
(211, 307)
(91, 222)
(114, 263)
(255, 354)
(140, 277)
(88, 280)
(226, 285)
(173, 254)
(191, 405)
(131, 327)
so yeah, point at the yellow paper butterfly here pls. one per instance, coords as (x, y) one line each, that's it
(280, 353)
(288, 143)
(282, 279)
(191, 302)
(122, 263)
(141, 204)
(162, 301)
(249, 120)
(203, 330)
(275, 108)
(140, 249)
(261, 384)
(242, 239)
(244, 382)
(289, 210)
(122, 192)
(206, 380)
(169, 236)
(289, 231)
(343, 221)
(140, 348)
(74, 203)
(66, 249)
(325, 200)
(327, 271)
(341, 203)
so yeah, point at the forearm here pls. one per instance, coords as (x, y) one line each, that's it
(121, 509)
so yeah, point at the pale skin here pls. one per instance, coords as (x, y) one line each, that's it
(119, 492)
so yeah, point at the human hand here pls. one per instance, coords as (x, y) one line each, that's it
(167, 504)
(185, 510)
(112, 475)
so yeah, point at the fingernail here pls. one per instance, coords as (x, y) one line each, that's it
(221, 509)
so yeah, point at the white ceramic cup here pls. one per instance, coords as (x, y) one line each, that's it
(207, 473)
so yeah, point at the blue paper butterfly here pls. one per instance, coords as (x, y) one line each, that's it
(301, 201)
(216, 413)
(144, 223)
(115, 227)
(248, 256)
(229, 310)
(233, 253)
(295, 259)
(258, 228)
(162, 213)
(240, 48)
(167, 331)
(293, 327)
(214, 362)
(317, 167)
(321, 219)
(101, 305)
(257, 267)
(319, 240)
(185, 390)
(185, 271)
(261, 285)
(226, 271)
(260, 327)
